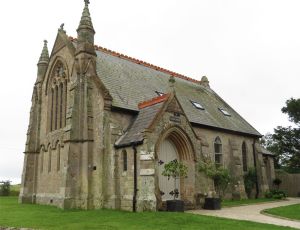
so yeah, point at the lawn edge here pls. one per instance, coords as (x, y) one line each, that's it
(271, 201)
(243, 220)
(264, 212)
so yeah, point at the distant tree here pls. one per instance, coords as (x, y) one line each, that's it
(4, 188)
(285, 142)
(293, 110)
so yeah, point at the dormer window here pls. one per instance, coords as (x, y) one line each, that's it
(159, 93)
(225, 112)
(197, 105)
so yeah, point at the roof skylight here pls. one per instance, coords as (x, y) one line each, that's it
(197, 105)
(225, 112)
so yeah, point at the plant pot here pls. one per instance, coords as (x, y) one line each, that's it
(175, 206)
(212, 203)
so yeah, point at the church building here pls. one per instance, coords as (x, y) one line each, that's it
(103, 125)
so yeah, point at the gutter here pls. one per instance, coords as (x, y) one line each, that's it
(230, 131)
(135, 190)
(255, 166)
(136, 143)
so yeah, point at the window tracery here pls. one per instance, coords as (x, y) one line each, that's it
(57, 97)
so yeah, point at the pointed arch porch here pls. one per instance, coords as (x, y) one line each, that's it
(180, 146)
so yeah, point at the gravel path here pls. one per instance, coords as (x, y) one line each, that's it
(253, 213)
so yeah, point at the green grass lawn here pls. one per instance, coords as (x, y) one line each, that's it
(291, 211)
(232, 203)
(46, 217)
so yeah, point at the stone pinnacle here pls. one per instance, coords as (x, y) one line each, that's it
(44, 58)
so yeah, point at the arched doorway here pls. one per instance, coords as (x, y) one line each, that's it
(167, 152)
(175, 143)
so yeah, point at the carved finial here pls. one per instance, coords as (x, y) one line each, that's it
(172, 79)
(172, 83)
(87, 2)
(204, 81)
(61, 28)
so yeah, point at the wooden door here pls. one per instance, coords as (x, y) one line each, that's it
(167, 153)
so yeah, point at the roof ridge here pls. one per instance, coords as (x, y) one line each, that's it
(140, 62)
(153, 101)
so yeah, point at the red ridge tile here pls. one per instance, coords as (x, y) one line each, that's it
(140, 62)
(153, 101)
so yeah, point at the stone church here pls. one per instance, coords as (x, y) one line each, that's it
(102, 126)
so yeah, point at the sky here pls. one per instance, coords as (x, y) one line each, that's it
(249, 50)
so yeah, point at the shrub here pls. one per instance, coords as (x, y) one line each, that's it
(275, 194)
(15, 190)
(4, 188)
(277, 182)
(250, 181)
(218, 174)
(268, 195)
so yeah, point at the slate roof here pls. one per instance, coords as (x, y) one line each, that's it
(260, 149)
(142, 121)
(130, 82)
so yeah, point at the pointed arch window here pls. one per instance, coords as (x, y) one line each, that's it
(124, 156)
(58, 158)
(218, 151)
(41, 160)
(49, 160)
(57, 97)
(244, 157)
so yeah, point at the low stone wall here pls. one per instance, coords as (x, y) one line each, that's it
(290, 183)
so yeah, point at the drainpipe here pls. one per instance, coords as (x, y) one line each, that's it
(255, 166)
(134, 177)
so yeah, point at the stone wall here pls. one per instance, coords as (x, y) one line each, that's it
(231, 154)
(196, 186)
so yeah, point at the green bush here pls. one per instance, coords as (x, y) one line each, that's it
(275, 194)
(250, 179)
(277, 182)
(4, 188)
(14, 193)
(220, 175)
(268, 194)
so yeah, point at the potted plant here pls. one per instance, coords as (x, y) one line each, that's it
(176, 170)
(221, 178)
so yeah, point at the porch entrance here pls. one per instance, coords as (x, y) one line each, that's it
(167, 152)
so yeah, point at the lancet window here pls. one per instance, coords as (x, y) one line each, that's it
(57, 97)
(244, 157)
(218, 151)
